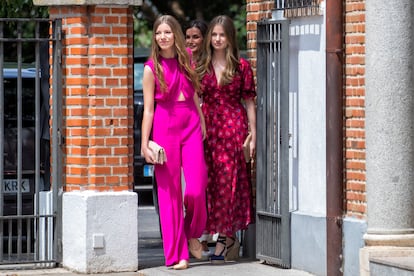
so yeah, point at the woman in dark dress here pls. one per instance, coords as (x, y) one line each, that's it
(228, 94)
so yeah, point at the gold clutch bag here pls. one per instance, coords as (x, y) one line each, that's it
(159, 153)
(246, 147)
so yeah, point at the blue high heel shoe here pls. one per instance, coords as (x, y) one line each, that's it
(219, 259)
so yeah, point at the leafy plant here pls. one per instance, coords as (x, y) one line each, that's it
(185, 11)
(22, 9)
(11, 28)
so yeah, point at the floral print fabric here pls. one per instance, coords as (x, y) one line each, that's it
(229, 191)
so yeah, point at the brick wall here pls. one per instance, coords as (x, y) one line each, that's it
(256, 11)
(355, 177)
(97, 97)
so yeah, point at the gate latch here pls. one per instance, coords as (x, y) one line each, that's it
(61, 138)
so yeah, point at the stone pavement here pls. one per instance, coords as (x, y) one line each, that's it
(151, 259)
(240, 268)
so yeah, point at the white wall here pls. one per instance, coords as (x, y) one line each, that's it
(308, 152)
(308, 123)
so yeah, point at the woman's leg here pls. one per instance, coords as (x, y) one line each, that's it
(220, 251)
(220, 246)
(171, 209)
(170, 200)
(204, 242)
(195, 173)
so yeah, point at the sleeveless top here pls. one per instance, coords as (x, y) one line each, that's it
(175, 79)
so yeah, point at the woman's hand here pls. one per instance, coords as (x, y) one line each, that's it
(251, 116)
(148, 155)
(203, 127)
(252, 148)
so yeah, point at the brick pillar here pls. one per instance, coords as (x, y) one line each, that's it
(98, 96)
(100, 211)
(256, 11)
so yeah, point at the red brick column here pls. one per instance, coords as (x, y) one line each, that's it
(256, 11)
(97, 96)
(355, 171)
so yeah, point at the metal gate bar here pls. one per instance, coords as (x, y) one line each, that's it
(273, 217)
(24, 174)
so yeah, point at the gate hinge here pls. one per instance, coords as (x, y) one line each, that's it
(60, 246)
(61, 138)
(59, 56)
(338, 220)
(59, 33)
(335, 50)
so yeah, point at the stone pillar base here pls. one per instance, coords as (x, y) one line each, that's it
(405, 240)
(100, 231)
(376, 245)
(368, 252)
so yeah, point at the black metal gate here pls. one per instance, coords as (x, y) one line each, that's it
(273, 216)
(30, 196)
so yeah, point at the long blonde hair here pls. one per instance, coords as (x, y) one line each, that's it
(179, 47)
(232, 51)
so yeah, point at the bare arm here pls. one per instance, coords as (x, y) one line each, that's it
(251, 116)
(148, 84)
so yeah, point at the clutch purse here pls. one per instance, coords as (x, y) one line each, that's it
(246, 147)
(159, 153)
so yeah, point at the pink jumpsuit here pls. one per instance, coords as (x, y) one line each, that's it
(176, 127)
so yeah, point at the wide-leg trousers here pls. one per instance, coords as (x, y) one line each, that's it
(177, 128)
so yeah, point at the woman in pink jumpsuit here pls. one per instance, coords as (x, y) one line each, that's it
(178, 126)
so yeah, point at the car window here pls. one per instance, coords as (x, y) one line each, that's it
(28, 101)
(28, 84)
(138, 73)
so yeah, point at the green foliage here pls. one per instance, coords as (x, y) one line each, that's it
(17, 9)
(239, 20)
(185, 11)
(22, 9)
(142, 33)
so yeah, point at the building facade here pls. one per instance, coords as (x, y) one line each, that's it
(351, 120)
(351, 128)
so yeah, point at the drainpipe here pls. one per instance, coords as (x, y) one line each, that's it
(334, 135)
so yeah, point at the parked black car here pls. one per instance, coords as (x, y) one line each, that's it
(144, 180)
(26, 124)
(10, 183)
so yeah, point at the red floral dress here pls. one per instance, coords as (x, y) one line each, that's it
(229, 191)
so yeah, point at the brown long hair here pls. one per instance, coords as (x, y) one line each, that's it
(232, 51)
(179, 45)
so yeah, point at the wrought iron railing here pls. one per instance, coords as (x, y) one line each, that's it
(298, 8)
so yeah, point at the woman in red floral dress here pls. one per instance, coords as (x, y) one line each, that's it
(228, 92)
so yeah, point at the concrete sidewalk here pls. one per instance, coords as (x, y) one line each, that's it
(240, 268)
(151, 259)
(58, 272)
